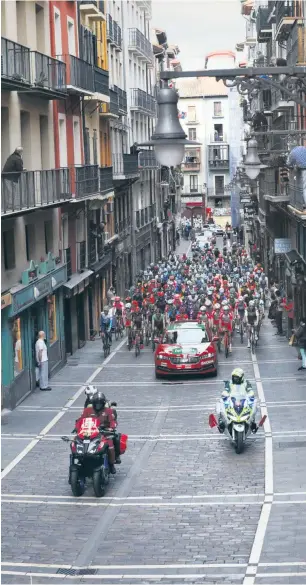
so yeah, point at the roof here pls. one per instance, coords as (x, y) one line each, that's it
(200, 87)
(186, 325)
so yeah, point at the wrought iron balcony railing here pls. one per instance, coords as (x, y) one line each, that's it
(125, 165)
(143, 102)
(15, 65)
(147, 160)
(211, 192)
(67, 260)
(140, 45)
(34, 189)
(49, 75)
(80, 75)
(195, 165)
(81, 255)
(285, 15)
(114, 34)
(101, 78)
(86, 180)
(106, 184)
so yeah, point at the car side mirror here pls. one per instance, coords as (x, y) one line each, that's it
(215, 339)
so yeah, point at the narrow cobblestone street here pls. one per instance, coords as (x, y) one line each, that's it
(183, 506)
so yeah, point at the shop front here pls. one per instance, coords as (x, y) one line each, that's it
(77, 318)
(36, 305)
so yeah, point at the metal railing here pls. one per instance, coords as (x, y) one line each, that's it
(28, 189)
(49, 73)
(142, 101)
(191, 166)
(216, 137)
(117, 36)
(81, 255)
(139, 43)
(296, 45)
(147, 160)
(123, 227)
(80, 74)
(212, 192)
(67, 260)
(282, 10)
(15, 62)
(101, 78)
(122, 101)
(86, 180)
(106, 179)
(98, 3)
(125, 164)
(144, 216)
(297, 196)
(264, 28)
(217, 163)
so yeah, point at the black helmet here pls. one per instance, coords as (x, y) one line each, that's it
(98, 402)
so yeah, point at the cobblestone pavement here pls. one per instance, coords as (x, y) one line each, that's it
(183, 507)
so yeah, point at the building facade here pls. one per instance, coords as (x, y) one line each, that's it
(276, 35)
(204, 115)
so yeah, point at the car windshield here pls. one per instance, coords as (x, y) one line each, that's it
(186, 336)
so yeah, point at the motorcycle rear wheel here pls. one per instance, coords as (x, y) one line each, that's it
(239, 443)
(98, 482)
(77, 484)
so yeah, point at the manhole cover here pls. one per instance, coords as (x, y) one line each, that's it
(66, 571)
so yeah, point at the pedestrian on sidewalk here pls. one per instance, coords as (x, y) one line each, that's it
(279, 313)
(300, 335)
(41, 352)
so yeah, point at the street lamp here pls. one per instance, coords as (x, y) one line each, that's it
(169, 138)
(252, 165)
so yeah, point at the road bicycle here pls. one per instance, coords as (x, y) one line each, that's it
(226, 342)
(130, 338)
(253, 341)
(106, 344)
(137, 343)
(119, 328)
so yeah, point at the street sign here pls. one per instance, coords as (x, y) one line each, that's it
(282, 245)
(245, 200)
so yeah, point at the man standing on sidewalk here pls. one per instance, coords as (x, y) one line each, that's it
(42, 361)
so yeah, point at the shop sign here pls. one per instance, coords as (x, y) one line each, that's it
(245, 200)
(6, 300)
(282, 245)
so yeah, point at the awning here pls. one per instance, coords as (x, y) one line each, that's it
(75, 279)
(294, 257)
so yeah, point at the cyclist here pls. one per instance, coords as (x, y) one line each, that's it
(106, 325)
(158, 323)
(226, 324)
(252, 320)
(138, 323)
(128, 321)
(240, 312)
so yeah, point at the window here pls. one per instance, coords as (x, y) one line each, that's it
(218, 133)
(191, 114)
(193, 183)
(62, 140)
(77, 141)
(192, 133)
(71, 36)
(8, 243)
(17, 347)
(49, 236)
(57, 32)
(30, 241)
(219, 185)
(95, 147)
(217, 109)
(51, 300)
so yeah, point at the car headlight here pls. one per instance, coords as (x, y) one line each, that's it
(208, 355)
(163, 357)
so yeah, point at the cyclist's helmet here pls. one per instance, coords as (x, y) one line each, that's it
(225, 308)
(117, 299)
(237, 376)
(128, 306)
(217, 307)
(128, 300)
(91, 390)
(251, 304)
(137, 309)
(98, 402)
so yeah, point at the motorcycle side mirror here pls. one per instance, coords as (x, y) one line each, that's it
(215, 339)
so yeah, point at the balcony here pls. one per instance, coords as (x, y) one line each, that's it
(110, 110)
(191, 166)
(147, 160)
(125, 166)
(48, 76)
(144, 216)
(106, 183)
(101, 78)
(81, 256)
(274, 192)
(123, 228)
(122, 100)
(80, 75)
(140, 46)
(86, 181)
(285, 16)
(143, 102)
(217, 137)
(114, 34)
(297, 197)
(264, 28)
(216, 193)
(34, 189)
(15, 66)
(218, 157)
(93, 9)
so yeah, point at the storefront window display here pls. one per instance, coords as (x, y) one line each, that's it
(52, 318)
(17, 347)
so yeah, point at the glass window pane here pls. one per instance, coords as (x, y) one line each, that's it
(52, 318)
(17, 347)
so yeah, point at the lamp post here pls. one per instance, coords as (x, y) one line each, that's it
(252, 164)
(169, 138)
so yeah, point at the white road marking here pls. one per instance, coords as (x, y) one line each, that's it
(56, 418)
(254, 559)
(191, 497)
(154, 577)
(102, 504)
(144, 567)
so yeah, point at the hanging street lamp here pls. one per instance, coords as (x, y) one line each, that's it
(252, 164)
(169, 138)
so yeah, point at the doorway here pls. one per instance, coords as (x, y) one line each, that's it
(37, 324)
(80, 306)
(67, 321)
